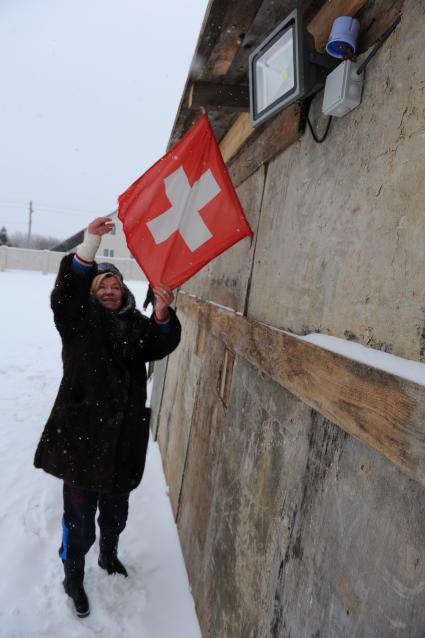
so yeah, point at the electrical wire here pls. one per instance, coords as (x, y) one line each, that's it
(378, 45)
(317, 139)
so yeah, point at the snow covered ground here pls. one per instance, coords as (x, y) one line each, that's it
(155, 601)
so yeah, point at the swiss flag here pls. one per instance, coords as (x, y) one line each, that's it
(183, 211)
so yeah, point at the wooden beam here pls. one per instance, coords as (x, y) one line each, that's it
(375, 18)
(384, 411)
(268, 16)
(221, 96)
(273, 138)
(235, 22)
(236, 136)
(321, 25)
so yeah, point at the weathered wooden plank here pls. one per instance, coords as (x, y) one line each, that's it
(220, 121)
(375, 18)
(208, 41)
(235, 22)
(382, 410)
(321, 25)
(266, 19)
(274, 137)
(214, 19)
(219, 96)
(236, 136)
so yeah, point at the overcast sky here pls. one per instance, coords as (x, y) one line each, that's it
(88, 94)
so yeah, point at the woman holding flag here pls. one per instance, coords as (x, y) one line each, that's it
(96, 437)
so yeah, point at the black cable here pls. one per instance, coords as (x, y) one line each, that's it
(319, 140)
(378, 45)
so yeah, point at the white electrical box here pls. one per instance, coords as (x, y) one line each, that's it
(343, 89)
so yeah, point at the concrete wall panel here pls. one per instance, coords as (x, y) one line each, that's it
(339, 247)
(351, 564)
(199, 489)
(290, 527)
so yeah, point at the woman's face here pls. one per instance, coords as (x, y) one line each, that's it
(110, 293)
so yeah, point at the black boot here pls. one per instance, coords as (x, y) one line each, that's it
(73, 585)
(108, 558)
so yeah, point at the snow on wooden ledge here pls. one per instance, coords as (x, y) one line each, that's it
(405, 368)
(372, 395)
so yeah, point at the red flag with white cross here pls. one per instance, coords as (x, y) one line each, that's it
(183, 211)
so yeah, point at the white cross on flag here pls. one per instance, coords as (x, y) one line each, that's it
(183, 211)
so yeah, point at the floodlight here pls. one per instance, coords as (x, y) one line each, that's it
(285, 68)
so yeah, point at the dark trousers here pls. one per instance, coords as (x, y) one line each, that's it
(78, 521)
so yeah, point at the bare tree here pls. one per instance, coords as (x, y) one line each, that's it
(39, 242)
(4, 239)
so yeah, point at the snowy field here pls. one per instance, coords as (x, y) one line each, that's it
(155, 601)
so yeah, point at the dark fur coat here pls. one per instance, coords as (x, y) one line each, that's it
(97, 434)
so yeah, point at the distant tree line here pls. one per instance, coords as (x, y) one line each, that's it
(20, 240)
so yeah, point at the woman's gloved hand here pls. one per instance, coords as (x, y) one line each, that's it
(163, 298)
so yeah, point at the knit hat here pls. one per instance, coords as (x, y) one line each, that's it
(105, 267)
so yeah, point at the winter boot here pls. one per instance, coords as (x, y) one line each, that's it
(108, 558)
(73, 585)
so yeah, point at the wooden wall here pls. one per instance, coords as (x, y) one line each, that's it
(291, 523)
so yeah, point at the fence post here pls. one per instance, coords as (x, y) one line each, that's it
(3, 258)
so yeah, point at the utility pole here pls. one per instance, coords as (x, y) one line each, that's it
(29, 224)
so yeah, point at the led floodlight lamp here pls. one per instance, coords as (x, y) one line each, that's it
(275, 71)
(285, 68)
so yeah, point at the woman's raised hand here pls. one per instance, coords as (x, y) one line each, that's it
(100, 226)
(163, 298)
